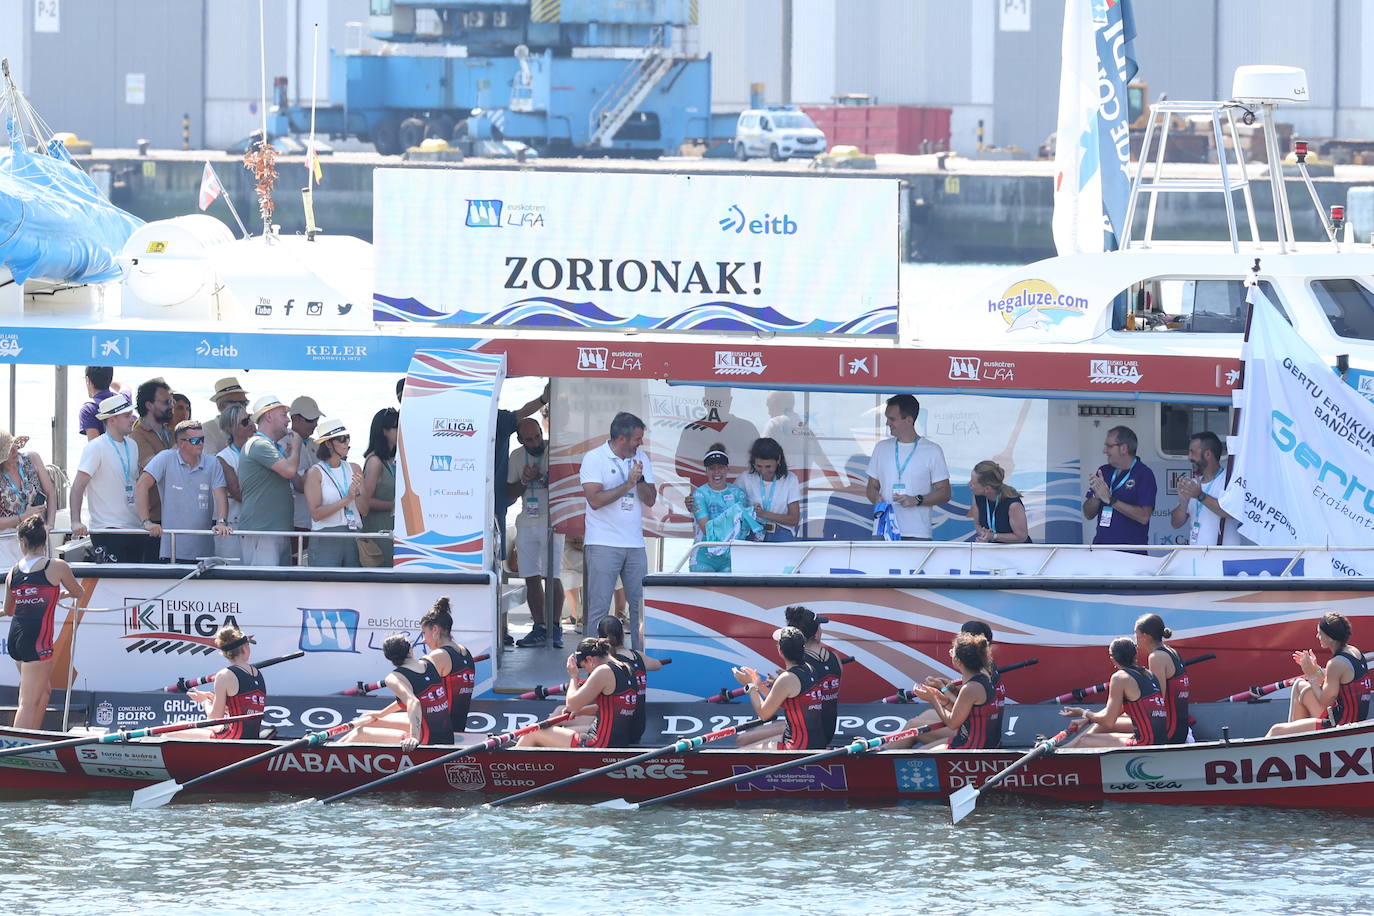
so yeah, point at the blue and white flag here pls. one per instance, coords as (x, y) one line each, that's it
(1092, 156)
(1304, 469)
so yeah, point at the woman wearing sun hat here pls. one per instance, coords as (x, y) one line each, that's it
(333, 490)
(25, 490)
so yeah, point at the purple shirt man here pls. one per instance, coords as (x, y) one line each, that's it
(1121, 493)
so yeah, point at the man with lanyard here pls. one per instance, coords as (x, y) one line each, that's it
(1198, 495)
(108, 471)
(194, 496)
(527, 479)
(151, 434)
(305, 417)
(267, 466)
(1121, 493)
(618, 482)
(907, 472)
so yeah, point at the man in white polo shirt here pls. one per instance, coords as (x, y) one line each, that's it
(908, 471)
(618, 483)
(107, 474)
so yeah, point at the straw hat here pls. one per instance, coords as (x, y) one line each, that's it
(113, 406)
(225, 387)
(265, 403)
(330, 429)
(10, 444)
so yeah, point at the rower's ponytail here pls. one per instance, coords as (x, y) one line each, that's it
(1152, 625)
(612, 630)
(440, 616)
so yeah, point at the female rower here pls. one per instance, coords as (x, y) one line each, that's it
(1169, 672)
(1336, 695)
(974, 716)
(419, 687)
(333, 493)
(613, 631)
(999, 516)
(826, 669)
(32, 589)
(610, 684)
(795, 693)
(453, 662)
(946, 685)
(1135, 711)
(239, 690)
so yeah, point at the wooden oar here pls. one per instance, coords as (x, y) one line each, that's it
(857, 746)
(182, 685)
(726, 694)
(909, 696)
(1082, 693)
(363, 688)
(158, 795)
(681, 746)
(491, 744)
(120, 736)
(962, 802)
(1254, 693)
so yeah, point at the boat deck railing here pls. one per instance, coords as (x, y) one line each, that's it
(298, 537)
(930, 558)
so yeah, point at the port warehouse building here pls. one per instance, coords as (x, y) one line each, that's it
(115, 71)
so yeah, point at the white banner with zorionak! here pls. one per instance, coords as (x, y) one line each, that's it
(652, 252)
(1304, 470)
(147, 643)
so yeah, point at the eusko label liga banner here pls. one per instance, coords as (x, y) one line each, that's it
(1304, 472)
(651, 252)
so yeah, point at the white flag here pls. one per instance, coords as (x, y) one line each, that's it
(1304, 469)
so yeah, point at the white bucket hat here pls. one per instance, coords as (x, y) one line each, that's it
(113, 406)
(265, 403)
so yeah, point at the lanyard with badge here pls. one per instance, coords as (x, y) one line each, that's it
(627, 502)
(341, 484)
(127, 462)
(23, 484)
(899, 485)
(533, 502)
(990, 512)
(280, 451)
(1119, 477)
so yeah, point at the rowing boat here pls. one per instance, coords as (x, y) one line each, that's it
(1326, 769)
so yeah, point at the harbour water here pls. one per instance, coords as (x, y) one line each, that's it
(270, 854)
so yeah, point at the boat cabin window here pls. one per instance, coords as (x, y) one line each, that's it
(1348, 305)
(1180, 422)
(1192, 305)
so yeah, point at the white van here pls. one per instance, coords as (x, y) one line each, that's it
(779, 132)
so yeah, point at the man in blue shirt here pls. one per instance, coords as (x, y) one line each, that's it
(1121, 493)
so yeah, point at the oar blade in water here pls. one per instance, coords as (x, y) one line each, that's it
(962, 803)
(155, 796)
(618, 804)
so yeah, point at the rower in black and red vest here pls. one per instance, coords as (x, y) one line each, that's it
(453, 661)
(825, 673)
(1168, 668)
(940, 733)
(239, 690)
(796, 693)
(33, 587)
(613, 631)
(610, 685)
(1135, 712)
(1338, 694)
(974, 716)
(420, 688)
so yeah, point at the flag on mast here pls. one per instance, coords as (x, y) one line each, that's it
(312, 162)
(210, 188)
(1092, 153)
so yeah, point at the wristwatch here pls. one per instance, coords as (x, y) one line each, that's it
(920, 499)
(146, 522)
(221, 521)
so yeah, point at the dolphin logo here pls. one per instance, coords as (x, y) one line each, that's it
(1030, 318)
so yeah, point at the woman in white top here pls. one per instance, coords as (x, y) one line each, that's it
(774, 491)
(238, 427)
(333, 493)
